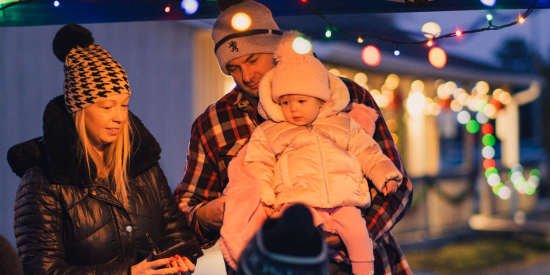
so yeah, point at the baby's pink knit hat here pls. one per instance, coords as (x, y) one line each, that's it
(298, 74)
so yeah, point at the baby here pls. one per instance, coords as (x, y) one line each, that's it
(309, 151)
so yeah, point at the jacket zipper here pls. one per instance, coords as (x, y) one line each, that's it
(310, 127)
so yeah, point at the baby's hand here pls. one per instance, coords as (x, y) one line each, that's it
(268, 210)
(390, 188)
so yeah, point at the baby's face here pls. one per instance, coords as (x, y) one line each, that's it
(300, 109)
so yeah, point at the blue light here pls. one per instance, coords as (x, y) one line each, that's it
(488, 3)
(56, 3)
(190, 6)
(396, 52)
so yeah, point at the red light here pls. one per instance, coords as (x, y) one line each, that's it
(371, 55)
(303, 1)
(430, 43)
(167, 9)
(488, 163)
(487, 129)
(458, 33)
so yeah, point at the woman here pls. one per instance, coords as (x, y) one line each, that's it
(92, 187)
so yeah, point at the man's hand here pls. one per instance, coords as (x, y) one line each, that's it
(390, 188)
(210, 215)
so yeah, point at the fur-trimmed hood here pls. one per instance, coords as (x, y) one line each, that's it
(57, 151)
(270, 110)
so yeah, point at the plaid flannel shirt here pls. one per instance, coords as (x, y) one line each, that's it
(226, 126)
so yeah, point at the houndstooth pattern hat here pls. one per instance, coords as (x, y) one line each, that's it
(92, 74)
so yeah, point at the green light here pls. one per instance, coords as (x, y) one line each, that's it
(497, 187)
(489, 17)
(488, 140)
(328, 34)
(535, 172)
(490, 171)
(472, 126)
(530, 191)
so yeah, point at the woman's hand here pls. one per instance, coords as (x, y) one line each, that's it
(178, 266)
(185, 264)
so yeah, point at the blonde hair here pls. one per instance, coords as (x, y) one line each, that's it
(113, 167)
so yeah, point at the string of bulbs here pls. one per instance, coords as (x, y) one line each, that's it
(361, 36)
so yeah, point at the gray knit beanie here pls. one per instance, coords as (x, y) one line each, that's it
(261, 37)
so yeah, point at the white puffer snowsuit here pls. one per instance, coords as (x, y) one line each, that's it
(321, 164)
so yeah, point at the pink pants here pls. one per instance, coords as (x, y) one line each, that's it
(352, 229)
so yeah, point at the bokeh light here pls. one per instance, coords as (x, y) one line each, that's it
(504, 192)
(371, 55)
(417, 86)
(334, 71)
(490, 111)
(301, 45)
(463, 117)
(488, 140)
(191, 6)
(488, 152)
(482, 118)
(472, 126)
(488, 3)
(489, 163)
(482, 87)
(490, 171)
(488, 129)
(392, 81)
(360, 78)
(456, 106)
(505, 98)
(415, 103)
(241, 21)
(431, 29)
(437, 57)
(493, 179)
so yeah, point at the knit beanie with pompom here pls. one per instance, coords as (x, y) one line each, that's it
(260, 37)
(298, 73)
(91, 73)
(290, 244)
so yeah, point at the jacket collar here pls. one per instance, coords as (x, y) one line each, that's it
(271, 110)
(60, 144)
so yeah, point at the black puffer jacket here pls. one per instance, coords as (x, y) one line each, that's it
(66, 224)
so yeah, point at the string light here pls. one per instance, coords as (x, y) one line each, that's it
(489, 18)
(56, 3)
(360, 40)
(328, 33)
(167, 9)
(396, 52)
(430, 43)
(355, 33)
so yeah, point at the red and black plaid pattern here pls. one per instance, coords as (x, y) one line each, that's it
(225, 127)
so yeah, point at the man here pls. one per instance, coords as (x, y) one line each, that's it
(225, 127)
